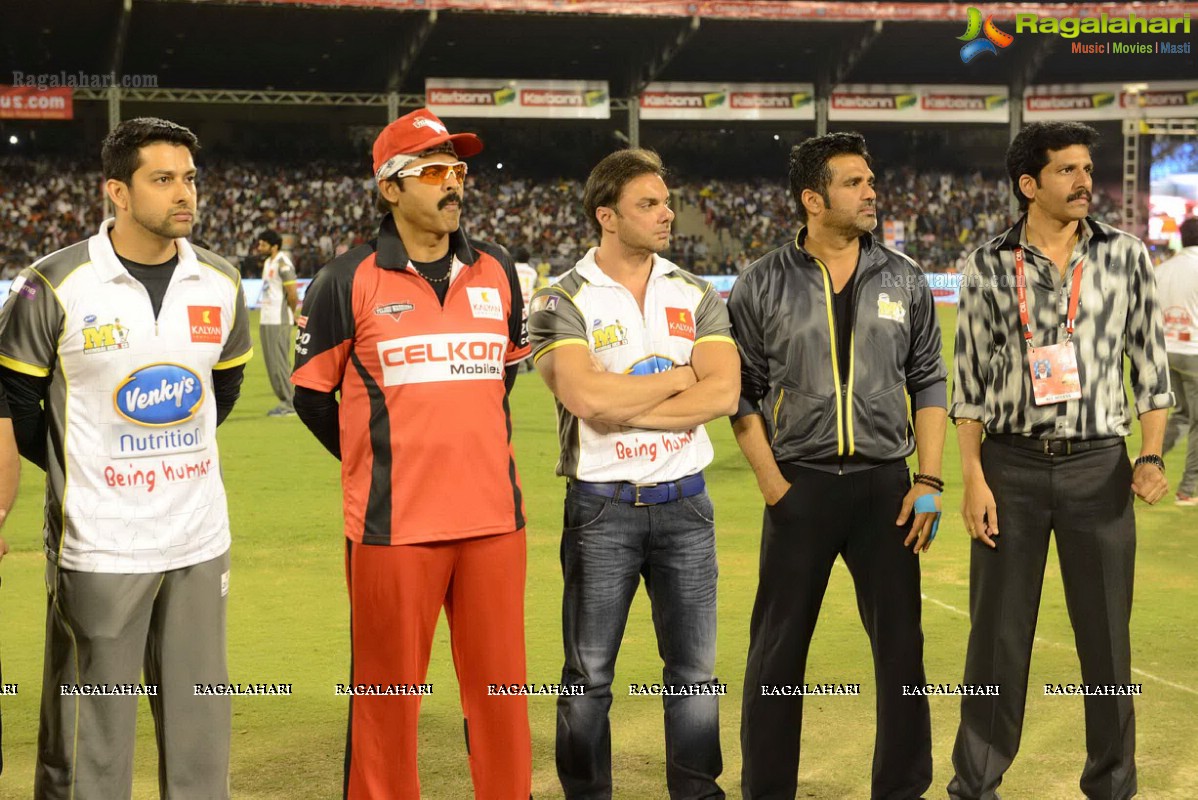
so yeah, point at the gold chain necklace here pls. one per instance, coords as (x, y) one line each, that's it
(442, 279)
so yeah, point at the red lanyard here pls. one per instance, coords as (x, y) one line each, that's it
(1021, 285)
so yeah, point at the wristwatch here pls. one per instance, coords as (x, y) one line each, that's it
(1154, 460)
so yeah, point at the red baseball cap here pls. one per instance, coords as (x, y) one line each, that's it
(414, 133)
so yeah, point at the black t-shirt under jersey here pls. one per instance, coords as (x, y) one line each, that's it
(842, 309)
(155, 277)
(437, 273)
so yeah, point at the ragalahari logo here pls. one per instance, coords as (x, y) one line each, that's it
(994, 38)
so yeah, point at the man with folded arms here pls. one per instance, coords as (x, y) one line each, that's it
(639, 356)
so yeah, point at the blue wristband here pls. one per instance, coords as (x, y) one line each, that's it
(926, 504)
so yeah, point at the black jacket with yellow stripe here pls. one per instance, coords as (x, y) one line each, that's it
(785, 328)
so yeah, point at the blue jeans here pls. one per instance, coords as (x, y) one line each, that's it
(606, 547)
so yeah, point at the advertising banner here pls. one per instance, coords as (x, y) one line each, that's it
(469, 97)
(1099, 101)
(728, 101)
(18, 102)
(906, 103)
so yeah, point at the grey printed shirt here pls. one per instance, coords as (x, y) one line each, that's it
(1118, 314)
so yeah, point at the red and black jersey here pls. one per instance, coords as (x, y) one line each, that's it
(425, 423)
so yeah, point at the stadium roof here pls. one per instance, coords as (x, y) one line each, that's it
(382, 45)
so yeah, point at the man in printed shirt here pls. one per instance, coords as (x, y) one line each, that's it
(639, 355)
(276, 313)
(1177, 280)
(1053, 459)
(421, 332)
(120, 355)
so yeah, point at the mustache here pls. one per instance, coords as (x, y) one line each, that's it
(1080, 193)
(452, 197)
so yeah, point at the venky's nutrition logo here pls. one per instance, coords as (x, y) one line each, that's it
(159, 395)
(994, 38)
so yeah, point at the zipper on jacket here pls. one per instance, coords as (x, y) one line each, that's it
(844, 408)
(777, 408)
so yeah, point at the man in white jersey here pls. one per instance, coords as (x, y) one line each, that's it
(120, 354)
(276, 314)
(528, 276)
(639, 355)
(10, 471)
(1177, 287)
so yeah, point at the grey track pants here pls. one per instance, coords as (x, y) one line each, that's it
(103, 629)
(277, 343)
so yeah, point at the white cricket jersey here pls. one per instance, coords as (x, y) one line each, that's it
(277, 273)
(588, 308)
(133, 481)
(1177, 291)
(528, 276)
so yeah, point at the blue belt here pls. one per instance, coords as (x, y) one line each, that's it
(644, 494)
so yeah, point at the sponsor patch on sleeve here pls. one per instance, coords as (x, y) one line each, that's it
(544, 302)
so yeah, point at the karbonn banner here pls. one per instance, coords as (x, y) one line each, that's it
(888, 103)
(460, 97)
(745, 101)
(17, 102)
(1098, 101)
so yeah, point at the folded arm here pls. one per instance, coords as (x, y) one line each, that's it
(589, 392)
(716, 394)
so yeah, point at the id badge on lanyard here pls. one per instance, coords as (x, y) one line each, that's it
(1053, 368)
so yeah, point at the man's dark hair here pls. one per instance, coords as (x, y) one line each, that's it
(521, 254)
(121, 154)
(1028, 153)
(1189, 232)
(609, 177)
(809, 164)
(271, 237)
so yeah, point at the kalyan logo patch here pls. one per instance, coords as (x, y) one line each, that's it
(681, 322)
(205, 323)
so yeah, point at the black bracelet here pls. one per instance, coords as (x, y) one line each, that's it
(929, 480)
(1154, 460)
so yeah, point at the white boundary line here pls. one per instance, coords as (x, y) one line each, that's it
(1040, 640)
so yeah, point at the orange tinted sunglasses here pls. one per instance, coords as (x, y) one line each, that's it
(434, 174)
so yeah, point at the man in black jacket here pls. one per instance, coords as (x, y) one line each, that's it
(835, 331)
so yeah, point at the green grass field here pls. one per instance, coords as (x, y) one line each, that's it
(288, 624)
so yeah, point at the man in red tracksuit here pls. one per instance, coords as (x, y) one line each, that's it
(420, 332)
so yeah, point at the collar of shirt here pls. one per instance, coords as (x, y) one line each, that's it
(391, 254)
(1016, 235)
(109, 267)
(870, 253)
(588, 268)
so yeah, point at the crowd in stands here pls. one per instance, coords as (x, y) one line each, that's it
(328, 208)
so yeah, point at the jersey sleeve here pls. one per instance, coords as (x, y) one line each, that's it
(554, 321)
(239, 347)
(286, 269)
(30, 325)
(326, 330)
(712, 323)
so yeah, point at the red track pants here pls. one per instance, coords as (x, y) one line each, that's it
(396, 594)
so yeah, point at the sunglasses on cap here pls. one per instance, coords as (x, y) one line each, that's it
(434, 174)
